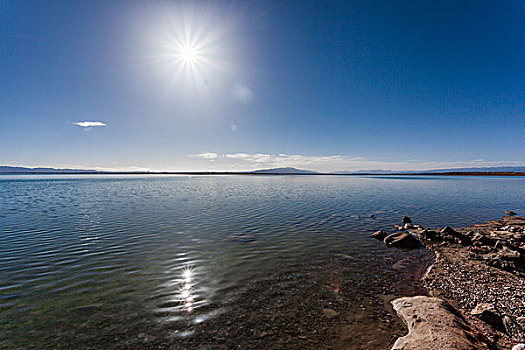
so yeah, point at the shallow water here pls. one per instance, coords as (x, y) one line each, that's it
(88, 256)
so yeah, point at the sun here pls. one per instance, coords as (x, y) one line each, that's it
(188, 54)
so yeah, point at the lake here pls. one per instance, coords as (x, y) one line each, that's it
(91, 261)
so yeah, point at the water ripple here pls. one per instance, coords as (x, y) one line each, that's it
(172, 251)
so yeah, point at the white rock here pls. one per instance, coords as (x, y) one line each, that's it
(434, 324)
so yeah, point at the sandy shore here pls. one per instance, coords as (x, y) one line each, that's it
(480, 271)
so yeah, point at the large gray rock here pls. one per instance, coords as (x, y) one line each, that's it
(404, 240)
(434, 324)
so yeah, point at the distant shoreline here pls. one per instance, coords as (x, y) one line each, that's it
(266, 174)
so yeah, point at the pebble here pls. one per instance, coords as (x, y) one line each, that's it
(330, 313)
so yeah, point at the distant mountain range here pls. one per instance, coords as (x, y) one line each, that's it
(285, 171)
(281, 171)
(505, 169)
(23, 170)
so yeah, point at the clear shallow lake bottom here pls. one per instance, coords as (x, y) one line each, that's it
(159, 261)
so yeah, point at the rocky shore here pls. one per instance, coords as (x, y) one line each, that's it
(476, 286)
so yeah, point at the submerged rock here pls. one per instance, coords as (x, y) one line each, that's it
(404, 240)
(434, 324)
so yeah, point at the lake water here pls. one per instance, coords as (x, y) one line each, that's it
(137, 261)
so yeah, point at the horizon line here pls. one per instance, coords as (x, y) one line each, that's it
(268, 171)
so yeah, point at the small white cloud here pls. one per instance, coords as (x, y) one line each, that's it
(237, 155)
(207, 155)
(257, 157)
(241, 93)
(87, 124)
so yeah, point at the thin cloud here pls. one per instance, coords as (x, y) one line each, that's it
(257, 157)
(471, 163)
(88, 124)
(328, 163)
(206, 155)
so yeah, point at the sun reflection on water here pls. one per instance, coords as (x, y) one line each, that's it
(186, 288)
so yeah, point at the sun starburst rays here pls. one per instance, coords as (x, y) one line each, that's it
(190, 54)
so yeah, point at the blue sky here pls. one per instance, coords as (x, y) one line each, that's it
(240, 85)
